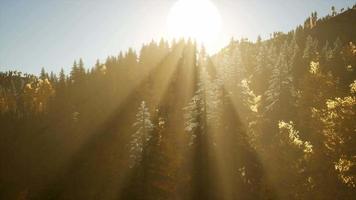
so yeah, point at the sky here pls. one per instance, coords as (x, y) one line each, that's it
(54, 33)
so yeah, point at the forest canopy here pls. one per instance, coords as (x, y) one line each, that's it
(271, 119)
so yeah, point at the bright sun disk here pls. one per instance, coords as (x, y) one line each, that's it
(197, 19)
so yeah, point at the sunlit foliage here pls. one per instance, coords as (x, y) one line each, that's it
(271, 119)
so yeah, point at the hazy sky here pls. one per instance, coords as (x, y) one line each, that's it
(53, 33)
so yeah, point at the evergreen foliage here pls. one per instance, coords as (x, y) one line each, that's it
(271, 119)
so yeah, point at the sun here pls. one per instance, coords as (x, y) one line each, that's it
(196, 19)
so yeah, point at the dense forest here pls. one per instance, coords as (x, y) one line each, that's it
(271, 119)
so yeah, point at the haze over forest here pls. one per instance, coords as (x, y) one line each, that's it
(271, 118)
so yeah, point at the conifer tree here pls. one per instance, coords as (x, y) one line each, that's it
(142, 136)
(74, 72)
(310, 49)
(62, 78)
(280, 91)
(43, 74)
(327, 52)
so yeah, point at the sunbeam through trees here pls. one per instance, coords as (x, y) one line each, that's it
(271, 119)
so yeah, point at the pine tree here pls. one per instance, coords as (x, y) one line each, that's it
(203, 109)
(43, 74)
(261, 59)
(337, 47)
(281, 92)
(201, 118)
(230, 69)
(74, 73)
(333, 11)
(293, 52)
(62, 77)
(310, 49)
(327, 52)
(142, 136)
(81, 70)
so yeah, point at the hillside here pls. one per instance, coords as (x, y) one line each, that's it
(272, 119)
(341, 25)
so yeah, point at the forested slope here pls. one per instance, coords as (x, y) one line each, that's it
(271, 119)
